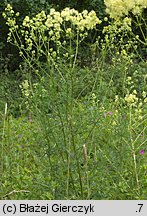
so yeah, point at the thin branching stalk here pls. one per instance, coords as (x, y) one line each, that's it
(71, 130)
(3, 134)
(14, 192)
(86, 168)
(76, 53)
(133, 151)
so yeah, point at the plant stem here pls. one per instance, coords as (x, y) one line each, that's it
(133, 151)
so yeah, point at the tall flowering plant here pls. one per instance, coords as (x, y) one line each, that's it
(50, 35)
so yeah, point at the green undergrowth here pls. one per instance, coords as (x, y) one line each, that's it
(89, 146)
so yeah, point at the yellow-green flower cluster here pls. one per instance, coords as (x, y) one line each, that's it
(25, 89)
(55, 21)
(37, 32)
(119, 8)
(131, 99)
(11, 19)
(82, 20)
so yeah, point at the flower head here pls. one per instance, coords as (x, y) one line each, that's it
(142, 152)
(20, 135)
(109, 113)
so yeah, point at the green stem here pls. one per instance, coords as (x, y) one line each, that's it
(133, 151)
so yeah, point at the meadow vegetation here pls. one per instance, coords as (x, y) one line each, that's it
(73, 115)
